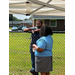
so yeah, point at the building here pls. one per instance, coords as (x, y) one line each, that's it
(57, 23)
(27, 23)
(14, 23)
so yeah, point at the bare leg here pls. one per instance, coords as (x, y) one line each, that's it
(43, 73)
(47, 73)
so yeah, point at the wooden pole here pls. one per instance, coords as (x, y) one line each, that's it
(33, 23)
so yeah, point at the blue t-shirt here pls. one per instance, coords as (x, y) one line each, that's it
(44, 43)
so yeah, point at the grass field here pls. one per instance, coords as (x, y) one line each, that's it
(19, 54)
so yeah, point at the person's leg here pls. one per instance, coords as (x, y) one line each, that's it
(47, 73)
(32, 58)
(43, 73)
(36, 73)
(33, 61)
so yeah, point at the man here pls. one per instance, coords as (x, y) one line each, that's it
(35, 37)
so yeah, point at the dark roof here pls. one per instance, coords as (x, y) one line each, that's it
(27, 21)
(14, 22)
(47, 17)
(18, 22)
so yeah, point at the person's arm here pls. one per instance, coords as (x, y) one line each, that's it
(27, 29)
(41, 45)
(37, 48)
(36, 30)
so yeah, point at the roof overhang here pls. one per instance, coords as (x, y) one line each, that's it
(47, 17)
(37, 7)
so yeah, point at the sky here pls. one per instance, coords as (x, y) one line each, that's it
(22, 17)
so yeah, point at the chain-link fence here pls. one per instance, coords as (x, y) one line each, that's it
(20, 57)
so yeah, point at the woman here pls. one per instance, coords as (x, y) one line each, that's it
(43, 51)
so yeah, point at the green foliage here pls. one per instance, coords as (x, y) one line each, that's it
(10, 17)
(19, 54)
(13, 18)
(16, 19)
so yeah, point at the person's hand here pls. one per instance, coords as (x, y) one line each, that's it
(27, 29)
(33, 49)
(33, 31)
(30, 29)
(34, 45)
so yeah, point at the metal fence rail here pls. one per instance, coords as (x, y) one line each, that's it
(20, 58)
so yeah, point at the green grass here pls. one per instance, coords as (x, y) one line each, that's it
(10, 27)
(19, 54)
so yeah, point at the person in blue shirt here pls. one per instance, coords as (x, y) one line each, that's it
(43, 51)
(35, 36)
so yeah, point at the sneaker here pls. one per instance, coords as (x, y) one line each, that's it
(32, 71)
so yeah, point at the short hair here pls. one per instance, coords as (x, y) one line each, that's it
(45, 30)
(40, 21)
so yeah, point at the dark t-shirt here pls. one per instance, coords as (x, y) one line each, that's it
(35, 36)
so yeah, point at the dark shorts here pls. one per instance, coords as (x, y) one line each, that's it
(43, 64)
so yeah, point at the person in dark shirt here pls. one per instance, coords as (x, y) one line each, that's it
(35, 36)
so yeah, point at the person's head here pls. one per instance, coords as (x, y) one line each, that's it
(39, 23)
(45, 30)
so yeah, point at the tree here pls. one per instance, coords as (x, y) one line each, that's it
(15, 19)
(30, 18)
(10, 17)
(25, 19)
